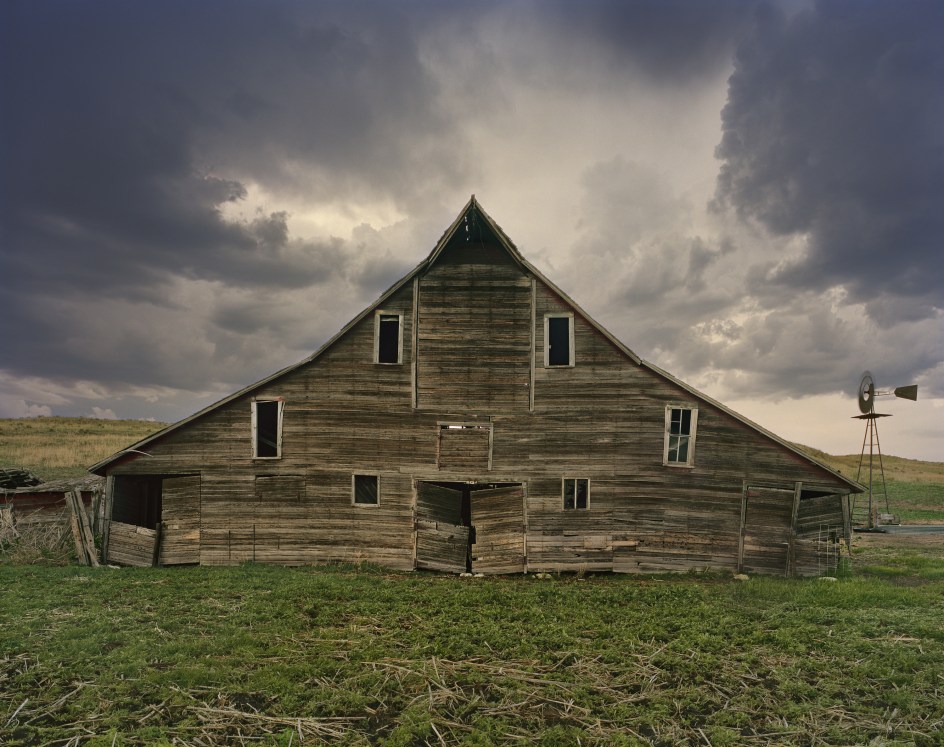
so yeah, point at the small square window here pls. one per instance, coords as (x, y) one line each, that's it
(366, 489)
(388, 338)
(679, 445)
(576, 494)
(559, 340)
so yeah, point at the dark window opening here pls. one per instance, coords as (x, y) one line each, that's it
(576, 494)
(388, 338)
(558, 341)
(366, 490)
(137, 501)
(267, 429)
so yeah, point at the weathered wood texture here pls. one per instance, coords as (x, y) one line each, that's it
(475, 296)
(767, 531)
(130, 545)
(465, 449)
(498, 518)
(602, 419)
(180, 515)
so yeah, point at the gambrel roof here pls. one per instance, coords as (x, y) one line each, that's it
(471, 222)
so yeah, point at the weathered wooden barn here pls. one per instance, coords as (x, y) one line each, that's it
(474, 418)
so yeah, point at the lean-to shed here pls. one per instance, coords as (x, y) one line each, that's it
(474, 418)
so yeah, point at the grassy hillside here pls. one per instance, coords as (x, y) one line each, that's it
(66, 447)
(915, 488)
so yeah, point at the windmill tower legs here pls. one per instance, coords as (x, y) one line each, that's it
(865, 508)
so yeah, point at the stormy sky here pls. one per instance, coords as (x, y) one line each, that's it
(748, 194)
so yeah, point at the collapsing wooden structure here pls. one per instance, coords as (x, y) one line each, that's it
(474, 419)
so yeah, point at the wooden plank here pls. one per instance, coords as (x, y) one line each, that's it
(498, 519)
(131, 545)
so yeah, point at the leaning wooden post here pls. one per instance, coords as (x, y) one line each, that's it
(158, 535)
(791, 555)
(106, 515)
(87, 534)
(76, 530)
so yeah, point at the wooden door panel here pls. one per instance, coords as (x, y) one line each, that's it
(767, 530)
(498, 519)
(441, 543)
(180, 514)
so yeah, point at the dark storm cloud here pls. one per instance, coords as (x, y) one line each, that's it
(673, 41)
(834, 128)
(129, 127)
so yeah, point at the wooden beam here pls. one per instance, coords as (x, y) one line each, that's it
(740, 558)
(791, 550)
(106, 517)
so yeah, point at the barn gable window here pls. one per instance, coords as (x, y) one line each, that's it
(679, 446)
(388, 338)
(559, 339)
(267, 429)
(576, 494)
(365, 490)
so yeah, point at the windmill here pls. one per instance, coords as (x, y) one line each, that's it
(867, 395)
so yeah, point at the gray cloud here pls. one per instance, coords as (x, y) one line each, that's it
(834, 128)
(173, 175)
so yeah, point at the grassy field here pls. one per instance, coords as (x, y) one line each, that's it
(279, 656)
(65, 447)
(361, 656)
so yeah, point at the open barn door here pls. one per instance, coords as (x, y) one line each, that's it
(498, 518)
(442, 543)
(766, 530)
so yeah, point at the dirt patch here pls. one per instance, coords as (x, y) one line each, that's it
(898, 541)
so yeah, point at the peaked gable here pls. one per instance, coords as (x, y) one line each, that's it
(473, 238)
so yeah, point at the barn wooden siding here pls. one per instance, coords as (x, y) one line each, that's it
(473, 355)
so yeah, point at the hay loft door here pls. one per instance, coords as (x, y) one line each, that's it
(442, 543)
(498, 519)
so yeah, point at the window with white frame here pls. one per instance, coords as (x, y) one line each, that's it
(679, 447)
(559, 339)
(365, 490)
(388, 337)
(267, 428)
(576, 492)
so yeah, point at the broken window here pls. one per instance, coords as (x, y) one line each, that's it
(559, 339)
(267, 429)
(679, 447)
(366, 490)
(576, 494)
(388, 338)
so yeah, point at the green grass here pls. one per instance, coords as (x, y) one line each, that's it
(362, 656)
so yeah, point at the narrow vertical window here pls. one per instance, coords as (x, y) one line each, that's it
(366, 490)
(267, 429)
(576, 494)
(679, 447)
(388, 338)
(559, 340)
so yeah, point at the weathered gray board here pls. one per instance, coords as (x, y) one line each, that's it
(131, 545)
(180, 515)
(767, 530)
(498, 518)
(442, 543)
